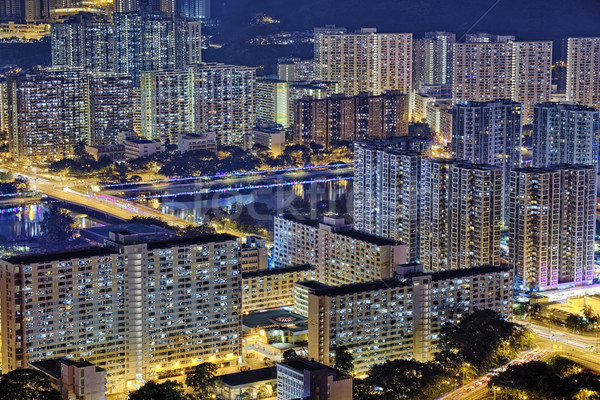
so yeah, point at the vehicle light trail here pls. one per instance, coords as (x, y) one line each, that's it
(235, 189)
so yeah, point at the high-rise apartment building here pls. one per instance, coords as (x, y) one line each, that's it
(12, 10)
(53, 109)
(432, 62)
(460, 214)
(197, 9)
(110, 107)
(125, 6)
(341, 118)
(565, 134)
(48, 113)
(297, 70)
(484, 37)
(133, 42)
(129, 55)
(3, 106)
(552, 226)
(365, 61)
(139, 310)
(398, 317)
(520, 71)
(315, 90)
(272, 96)
(224, 101)
(489, 133)
(167, 99)
(583, 71)
(341, 254)
(274, 287)
(386, 193)
(85, 40)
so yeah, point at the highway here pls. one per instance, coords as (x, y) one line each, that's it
(119, 208)
(550, 341)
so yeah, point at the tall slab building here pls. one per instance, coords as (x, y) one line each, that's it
(489, 133)
(460, 214)
(365, 61)
(519, 71)
(583, 71)
(565, 134)
(552, 226)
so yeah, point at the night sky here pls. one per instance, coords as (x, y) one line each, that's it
(528, 20)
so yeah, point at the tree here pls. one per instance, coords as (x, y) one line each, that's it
(406, 379)
(169, 390)
(201, 379)
(290, 354)
(344, 361)
(535, 310)
(27, 384)
(483, 339)
(197, 231)
(151, 221)
(57, 224)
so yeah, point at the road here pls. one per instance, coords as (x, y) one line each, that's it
(478, 388)
(550, 341)
(117, 207)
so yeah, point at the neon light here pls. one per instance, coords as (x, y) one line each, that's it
(232, 174)
(18, 194)
(230, 189)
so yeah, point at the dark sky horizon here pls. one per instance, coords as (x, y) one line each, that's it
(527, 20)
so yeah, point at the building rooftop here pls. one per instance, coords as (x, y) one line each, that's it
(466, 272)
(276, 317)
(309, 365)
(139, 141)
(566, 106)
(53, 366)
(249, 377)
(148, 232)
(59, 256)
(351, 233)
(277, 271)
(365, 237)
(219, 237)
(382, 284)
(468, 104)
(553, 168)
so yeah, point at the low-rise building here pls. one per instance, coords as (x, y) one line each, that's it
(304, 379)
(271, 136)
(271, 288)
(251, 385)
(271, 333)
(115, 152)
(142, 148)
(255, 256)
(75, 380)
(193, 142)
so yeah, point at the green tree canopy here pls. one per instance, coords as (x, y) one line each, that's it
(169, 390)
(482, 339)
(27, 384)
(57, 224)
(344, 360)
(201, 379)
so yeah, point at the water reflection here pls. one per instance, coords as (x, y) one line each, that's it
(336, 196)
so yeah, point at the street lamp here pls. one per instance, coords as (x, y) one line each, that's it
(496, 389)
